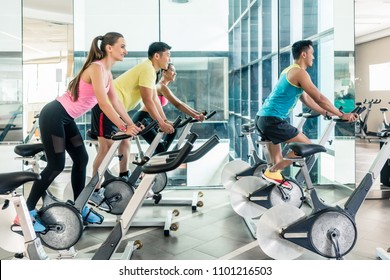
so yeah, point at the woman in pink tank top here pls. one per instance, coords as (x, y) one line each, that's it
(59, 132)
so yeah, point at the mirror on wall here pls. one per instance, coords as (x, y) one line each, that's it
(11, 96)
(200, 59)
(47, 55)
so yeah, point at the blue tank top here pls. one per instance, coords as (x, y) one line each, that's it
(283, 97)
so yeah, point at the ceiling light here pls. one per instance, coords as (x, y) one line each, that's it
(180, 1)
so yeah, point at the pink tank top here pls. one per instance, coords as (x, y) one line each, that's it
(163, 100)
(85, 102)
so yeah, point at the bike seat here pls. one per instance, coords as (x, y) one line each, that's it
(92, 135)
(383, 109)
(306, 150)
(28, 150)
(10, 181)
(248, 127)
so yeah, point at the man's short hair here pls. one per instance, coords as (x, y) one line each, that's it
(300, 46)
(157, 47)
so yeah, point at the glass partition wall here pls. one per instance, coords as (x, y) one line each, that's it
(261, 33)
(228, 59)
(200, 58)
(11, 72)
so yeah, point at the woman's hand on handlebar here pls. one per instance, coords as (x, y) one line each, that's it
(133, 129)
(200, 117)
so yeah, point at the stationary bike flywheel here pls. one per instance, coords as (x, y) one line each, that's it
(269, 228)
(160, 182)
(117, 195)
(259, 170)
(293, 196)
(65, 226)
(239, 196)
(340, 226)
(230, 171)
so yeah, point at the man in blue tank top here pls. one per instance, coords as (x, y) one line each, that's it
(271, 120)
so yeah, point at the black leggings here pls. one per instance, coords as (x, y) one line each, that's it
(59, 133)
(149, 137)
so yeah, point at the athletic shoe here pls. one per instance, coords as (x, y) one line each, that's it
(97, 199)
(38, 226)
(276, 178)
(90, 216)
(125, 175)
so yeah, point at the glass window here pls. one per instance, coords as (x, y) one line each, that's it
(254, 32)
(273, 27)
(244, 5)
(284, 23)
(325, 8)
(244, 41)
(267, 84)
(255, 81)
(266, 16)
(244, 91)
(310, 18)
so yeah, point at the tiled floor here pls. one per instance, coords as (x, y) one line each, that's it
(215, 231)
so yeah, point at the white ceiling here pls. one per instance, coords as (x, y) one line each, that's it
(47, 30)
(47, 25)
(372, 20)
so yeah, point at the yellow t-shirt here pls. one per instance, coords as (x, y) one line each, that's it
(127, 85)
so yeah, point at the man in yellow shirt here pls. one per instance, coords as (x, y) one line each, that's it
(135, 85)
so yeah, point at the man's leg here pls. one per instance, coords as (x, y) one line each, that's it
(282, 164)
(275, 152)
(124, 152)
(104, 146)
(273, 174)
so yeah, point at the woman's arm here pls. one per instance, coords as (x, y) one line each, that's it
(180, 105)
(96, 77)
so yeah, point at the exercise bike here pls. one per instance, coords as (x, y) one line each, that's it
(63, 219)
(156, 165)
(330, 231)
(251, 196)
(384, 124)
(361, 129)
(161, 180)
(113, 185)
(27, 242)
(236, 169)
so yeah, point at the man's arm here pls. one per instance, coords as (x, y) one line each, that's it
(153, 106)
(132, 129)
(305, 82)
(309, 102)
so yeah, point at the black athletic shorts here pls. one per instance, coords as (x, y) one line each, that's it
(275, 129)
(101, 126)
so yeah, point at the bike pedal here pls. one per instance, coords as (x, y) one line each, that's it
(17, 229)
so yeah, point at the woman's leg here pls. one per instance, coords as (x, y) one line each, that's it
(75, 147)
(53, 140)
